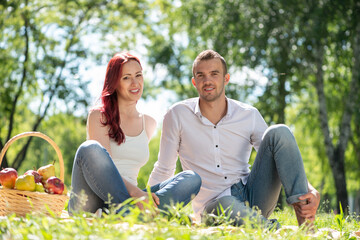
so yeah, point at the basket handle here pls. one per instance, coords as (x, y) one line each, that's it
(36, 134)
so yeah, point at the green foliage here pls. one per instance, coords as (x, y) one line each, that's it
(340, 220)
(67, 131)
(308, 52)
(145, 225)
(43, 48)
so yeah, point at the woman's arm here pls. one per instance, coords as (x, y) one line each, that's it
(97, 131)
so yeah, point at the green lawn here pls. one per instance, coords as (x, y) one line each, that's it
(156, 226)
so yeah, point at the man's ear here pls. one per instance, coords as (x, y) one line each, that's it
(193, 81)
(227, 78)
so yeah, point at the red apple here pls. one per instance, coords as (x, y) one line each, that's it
(54, 185)
(8, 177)
(37, 176)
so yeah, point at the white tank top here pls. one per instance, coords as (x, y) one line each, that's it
(131, 155)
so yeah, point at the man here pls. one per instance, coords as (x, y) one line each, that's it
(214, 135)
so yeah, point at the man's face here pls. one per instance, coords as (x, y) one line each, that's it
(210, 79)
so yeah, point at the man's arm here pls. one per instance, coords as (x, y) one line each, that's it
(258, 129)
(165, 167)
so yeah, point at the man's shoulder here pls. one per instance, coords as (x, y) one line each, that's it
(237, 105)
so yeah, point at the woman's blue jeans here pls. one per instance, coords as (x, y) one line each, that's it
(95, 178)
(278, 162)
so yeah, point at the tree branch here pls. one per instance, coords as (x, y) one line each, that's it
(24, 73)
(22, 154)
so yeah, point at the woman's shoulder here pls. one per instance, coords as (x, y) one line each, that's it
(95, 113)
(149, 121)
(95, 116)
(150, 125)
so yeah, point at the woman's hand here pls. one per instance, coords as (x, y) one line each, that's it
(144, 196)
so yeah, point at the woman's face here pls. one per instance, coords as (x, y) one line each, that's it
(131, 81)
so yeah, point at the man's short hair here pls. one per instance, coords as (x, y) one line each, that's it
(207, 55)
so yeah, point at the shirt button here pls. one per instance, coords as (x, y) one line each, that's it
(218, 165)
(216, 145)
(225, 177)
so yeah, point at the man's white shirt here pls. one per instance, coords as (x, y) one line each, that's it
(218, 153)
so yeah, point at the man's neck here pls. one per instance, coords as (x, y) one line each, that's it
(214, 111)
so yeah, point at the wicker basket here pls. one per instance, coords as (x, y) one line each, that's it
(23, 202)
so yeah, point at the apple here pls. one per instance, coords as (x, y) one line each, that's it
(8, 177)
(37, 176)
(25, 183)
(47, 171)
(54, 185)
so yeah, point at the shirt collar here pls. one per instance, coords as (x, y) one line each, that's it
(198, 112)
(197, 107)
(229, 108)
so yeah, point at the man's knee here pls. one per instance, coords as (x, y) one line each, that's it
(278, 131)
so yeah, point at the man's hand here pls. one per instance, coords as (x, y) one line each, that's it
(306, 209)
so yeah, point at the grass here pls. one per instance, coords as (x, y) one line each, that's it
(153, 225)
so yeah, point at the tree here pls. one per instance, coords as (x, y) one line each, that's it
(332, 37)
(43, 46)
(298, 45)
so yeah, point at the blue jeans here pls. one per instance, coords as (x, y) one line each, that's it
(95, 177)
(278, 162)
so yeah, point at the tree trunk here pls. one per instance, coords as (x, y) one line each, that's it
(336, 155)
(338, 170)
(336, 165)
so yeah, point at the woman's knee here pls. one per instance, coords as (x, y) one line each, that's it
(89, 147)
(90, 150)
(193, 177)
(192, 180)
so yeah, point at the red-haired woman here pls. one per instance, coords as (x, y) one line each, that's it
(108, 163)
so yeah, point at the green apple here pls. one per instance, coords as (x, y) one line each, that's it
(25, 183)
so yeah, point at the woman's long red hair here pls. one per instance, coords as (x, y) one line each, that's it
(109, 100)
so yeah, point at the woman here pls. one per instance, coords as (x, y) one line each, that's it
(108, 163)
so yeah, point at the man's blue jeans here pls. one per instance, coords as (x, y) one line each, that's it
(278, 162)
(95, 177)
